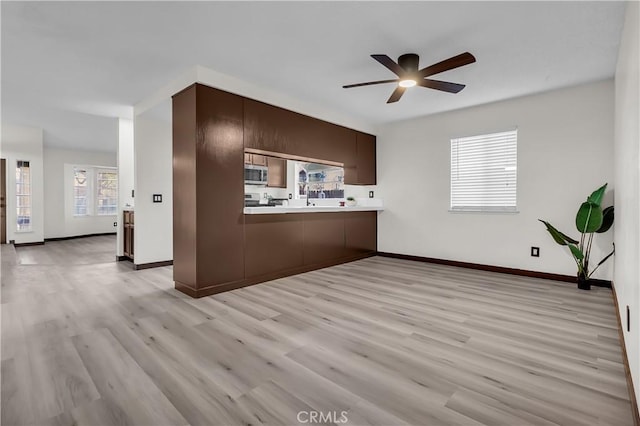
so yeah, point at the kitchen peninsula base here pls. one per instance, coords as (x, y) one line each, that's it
(280, 245)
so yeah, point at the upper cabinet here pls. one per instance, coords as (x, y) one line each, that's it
(277, 172)
(360, 160)
(255, 159)
(273, 129)
(366, 159)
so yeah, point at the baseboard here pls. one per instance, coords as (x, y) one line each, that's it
(625, 360)
(78, 236)
(36, 243)
(491, 268)
(220, 288)
(138, 266)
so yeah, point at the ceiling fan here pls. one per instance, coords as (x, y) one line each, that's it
(409, 75)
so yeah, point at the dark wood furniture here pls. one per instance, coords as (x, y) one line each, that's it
(216, 246)
(128, 223)
(272, 129)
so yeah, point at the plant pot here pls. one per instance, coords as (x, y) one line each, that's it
(584, 283)
(351, 203)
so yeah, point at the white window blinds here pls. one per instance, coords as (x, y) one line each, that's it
(484, 172)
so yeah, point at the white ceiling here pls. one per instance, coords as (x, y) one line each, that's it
(71, 67)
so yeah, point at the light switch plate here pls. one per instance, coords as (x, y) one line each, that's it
(370, 194)
(535, 251)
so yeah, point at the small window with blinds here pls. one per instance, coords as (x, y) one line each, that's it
(484, 172)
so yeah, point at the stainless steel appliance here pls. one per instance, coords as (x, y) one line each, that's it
(255, 175)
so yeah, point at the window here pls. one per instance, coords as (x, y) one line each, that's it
(95, 191)
(80, 192)
(484, 172)
(23, 196)
(107, 192)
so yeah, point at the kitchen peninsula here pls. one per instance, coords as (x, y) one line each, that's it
(219, 244)
(311, 209)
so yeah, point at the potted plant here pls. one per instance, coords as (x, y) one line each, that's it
(351, 202)
(591, 219)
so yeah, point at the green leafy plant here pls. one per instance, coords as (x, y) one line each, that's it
(591, 219)
(350, 199)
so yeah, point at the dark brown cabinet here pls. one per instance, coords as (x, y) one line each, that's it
(216, 246)
(208, 153)
(360, 162)
(272, 243)
(127, 223)
(281, 244)
(274, 129)
(366, 159)
(277, 172)
(323, 237)
(360, 232)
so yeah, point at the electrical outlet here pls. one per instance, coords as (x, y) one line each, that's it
(132, 193)
(290, 196)
(115, 224)
(535, 251)
(370, 194)
(157, 198)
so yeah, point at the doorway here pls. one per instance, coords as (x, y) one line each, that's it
(3, 201)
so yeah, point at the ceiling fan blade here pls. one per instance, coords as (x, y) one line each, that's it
(462, 59)
(389, 63)
(348, 86)
(445, 86)
(396, 95)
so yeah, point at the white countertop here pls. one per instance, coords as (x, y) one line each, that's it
(309, 209)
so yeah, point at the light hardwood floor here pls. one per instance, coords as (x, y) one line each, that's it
(390, 342)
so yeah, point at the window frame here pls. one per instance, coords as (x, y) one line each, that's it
(492, 161)
(92, 196)
(21, 194)
(87, 196)
(97, 198)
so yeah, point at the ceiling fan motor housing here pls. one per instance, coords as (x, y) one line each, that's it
(409, 62)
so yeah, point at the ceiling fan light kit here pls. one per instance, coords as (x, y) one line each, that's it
(409, 75)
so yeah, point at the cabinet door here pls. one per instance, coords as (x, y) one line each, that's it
(274, 129)
(350, 160)
(258, 160)
(324, 238)
(360, 232)
(277, 173)
(366, 159)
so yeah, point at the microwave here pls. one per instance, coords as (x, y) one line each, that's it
(255, 175)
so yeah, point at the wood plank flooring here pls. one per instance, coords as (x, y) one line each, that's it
(88, 341)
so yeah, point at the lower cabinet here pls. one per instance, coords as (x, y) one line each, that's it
(128, 221)
(360, 232)
(282, 244)
(272, 243)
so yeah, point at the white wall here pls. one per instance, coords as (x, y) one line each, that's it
(627, 196)
(58, 193)
(564, 152)
(153, 231)
(24, 143)
(126, 175)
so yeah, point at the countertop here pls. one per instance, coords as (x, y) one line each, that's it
(309, 209)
